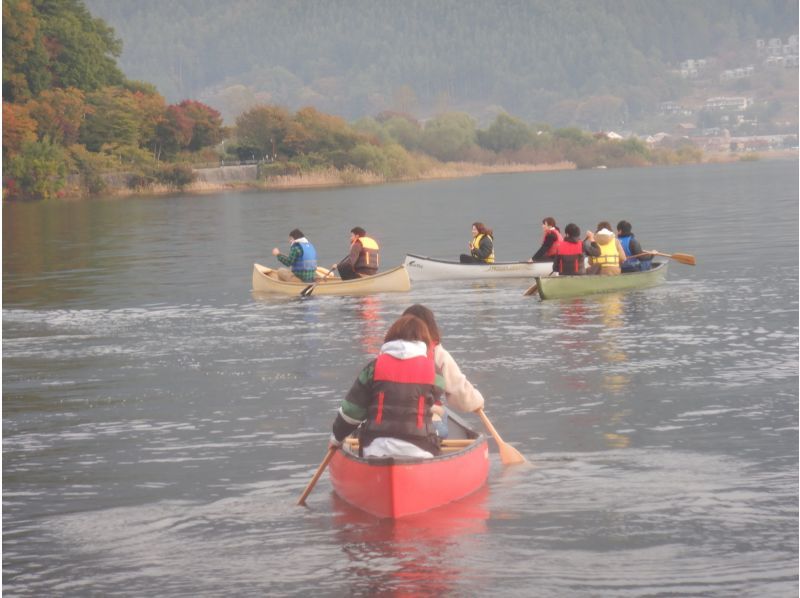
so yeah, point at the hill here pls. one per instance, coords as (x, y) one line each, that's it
(602, 64)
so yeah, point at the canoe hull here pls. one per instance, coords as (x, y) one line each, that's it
(421, 268)
(395, 280)
(564, 287)
(397, 487)
(394, 488)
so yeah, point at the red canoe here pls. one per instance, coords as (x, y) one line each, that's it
(400, 486)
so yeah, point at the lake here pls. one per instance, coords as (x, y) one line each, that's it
(160, 421)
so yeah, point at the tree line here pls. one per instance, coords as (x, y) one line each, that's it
(70, 116)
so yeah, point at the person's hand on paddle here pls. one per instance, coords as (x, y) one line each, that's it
(276, 251)
(333, 443)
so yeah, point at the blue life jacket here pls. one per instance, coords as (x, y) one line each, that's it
(630, 263)
(308, 261)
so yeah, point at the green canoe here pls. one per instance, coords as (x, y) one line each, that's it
(562, 287)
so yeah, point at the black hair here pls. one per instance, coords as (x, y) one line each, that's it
(624, 227)
(296, 234)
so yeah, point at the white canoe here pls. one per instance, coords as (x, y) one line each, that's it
(265, 280)
(421, 267)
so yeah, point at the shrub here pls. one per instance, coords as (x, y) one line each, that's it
(39, 171)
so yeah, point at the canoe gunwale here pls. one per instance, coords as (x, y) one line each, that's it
(389, 281)
(480, 441)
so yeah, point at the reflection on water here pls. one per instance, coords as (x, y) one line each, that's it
(368, 309)
(420, 555)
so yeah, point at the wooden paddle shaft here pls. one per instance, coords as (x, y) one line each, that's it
(317, 474)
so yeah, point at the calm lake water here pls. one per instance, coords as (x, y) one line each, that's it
(160, 421)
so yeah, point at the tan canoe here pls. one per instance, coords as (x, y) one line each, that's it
(265, 280)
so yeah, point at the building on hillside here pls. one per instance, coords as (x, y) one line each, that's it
(728, 104)
(739, 73)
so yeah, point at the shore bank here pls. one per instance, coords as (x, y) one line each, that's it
(332, 177)
(234, 178)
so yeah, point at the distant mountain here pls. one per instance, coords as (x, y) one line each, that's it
(594, 63)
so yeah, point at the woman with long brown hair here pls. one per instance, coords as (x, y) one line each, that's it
(391, 401)
(481, 247)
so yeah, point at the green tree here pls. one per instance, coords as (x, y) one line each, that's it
(505, 133)
(38, 171)
(449, 136)
(82, 49)
(404, 131)
(25, 61)
(112, 119)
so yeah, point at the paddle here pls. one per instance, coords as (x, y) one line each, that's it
(508, 454)
(310, 288)
(317, 474)
(683, 258)
(532, 290)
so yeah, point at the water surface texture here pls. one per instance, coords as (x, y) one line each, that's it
(160, 421)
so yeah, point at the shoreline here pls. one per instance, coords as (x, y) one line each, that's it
(333, 178)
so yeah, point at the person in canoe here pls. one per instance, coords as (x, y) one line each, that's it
(302, 259)
(569, 257)
(604, 250)
(632, 247)
(551, 236)
(391, 401)
(363, 258)
(459, 392)
(481, 247)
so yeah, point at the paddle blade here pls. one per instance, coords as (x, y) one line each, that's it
(684, 258)
(308, 290)
(509, 455)
(532, 290)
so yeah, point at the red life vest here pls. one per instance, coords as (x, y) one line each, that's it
(569, 255)
(403, 392)
(554, 247)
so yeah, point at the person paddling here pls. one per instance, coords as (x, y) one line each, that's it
(459, 392)
(551, 236)
(302, 259)
(632, 247)
(391, 402)
(363, 258)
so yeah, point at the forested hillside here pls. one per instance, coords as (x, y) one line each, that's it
(531, 58)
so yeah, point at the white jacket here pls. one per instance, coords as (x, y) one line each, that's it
(457, 389)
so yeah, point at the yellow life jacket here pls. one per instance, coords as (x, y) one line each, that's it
(476, 244)
(609, 256)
